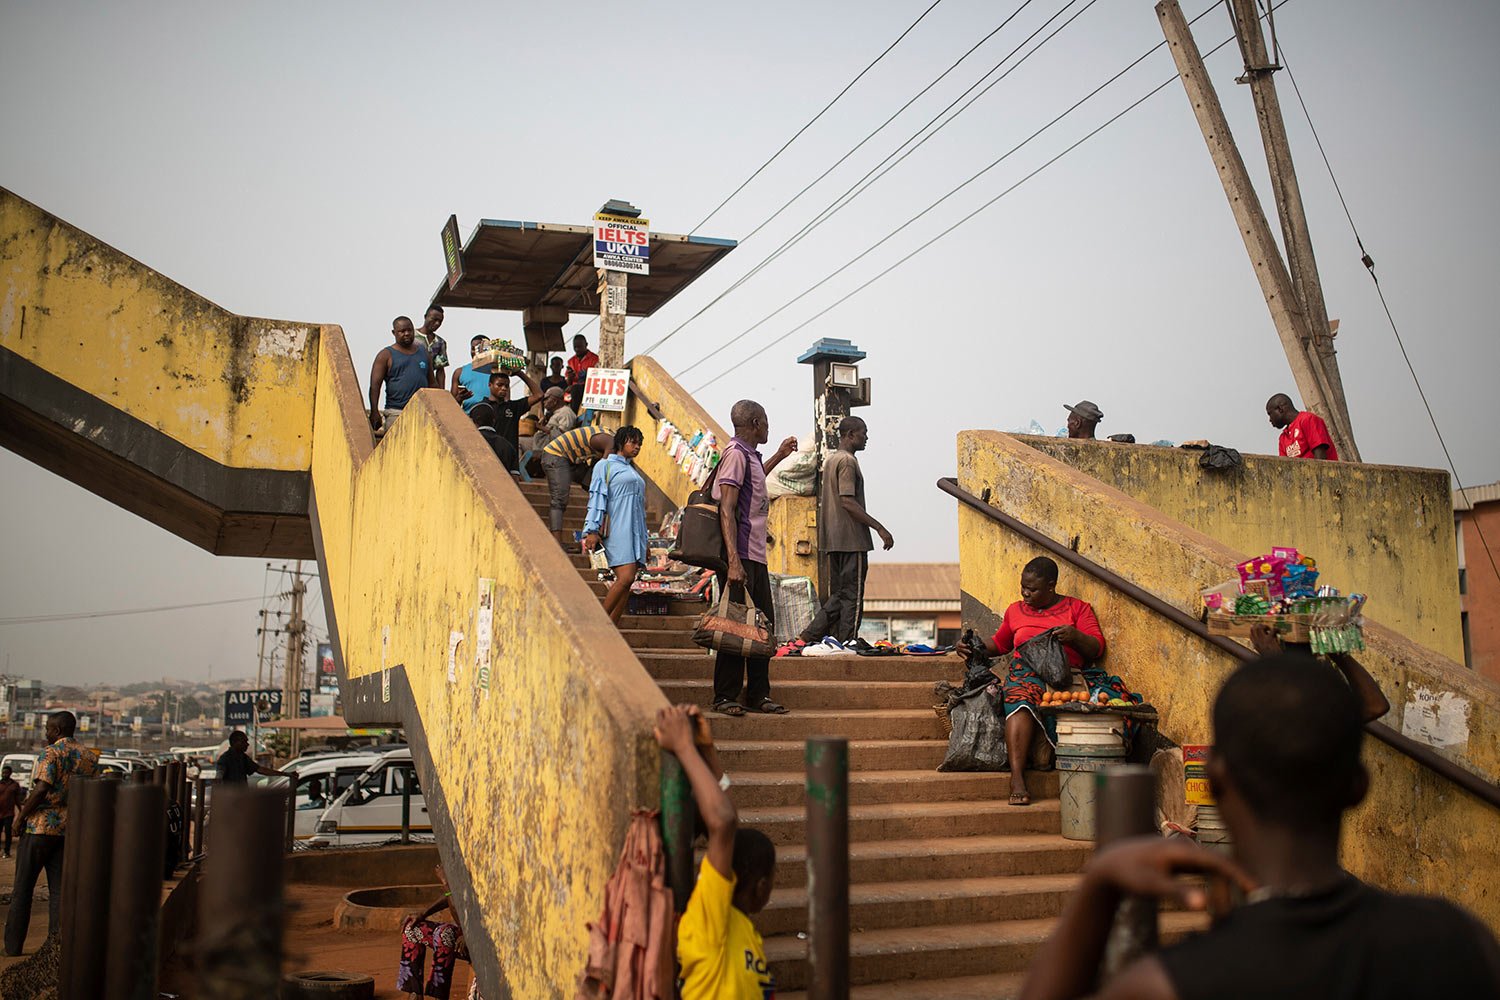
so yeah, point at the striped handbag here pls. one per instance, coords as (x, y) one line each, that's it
(734, 628)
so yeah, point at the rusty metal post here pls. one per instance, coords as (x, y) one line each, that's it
(291, 810)
(130, 966)
(186, 798)
(678, 813)
(828, 867)
(90, 846)
(140, 776)
(174, 778)
(159, 775)
(200, 810)
(1125, 806)
(240, 911)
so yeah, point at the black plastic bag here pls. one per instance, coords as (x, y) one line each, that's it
(1219, 458)
(978, 739)
(977, 667)
(1045, 655)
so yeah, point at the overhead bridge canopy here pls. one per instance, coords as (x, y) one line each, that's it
(525, 265)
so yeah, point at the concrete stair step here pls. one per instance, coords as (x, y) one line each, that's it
(759, 789)
(668, 623)
(856, 669)
(659, 638)
(876, 905)
(904, 820)
(945, 857)
(877, 724)
(996, 986)
(816, 694)
(895, 954)
(740, 756)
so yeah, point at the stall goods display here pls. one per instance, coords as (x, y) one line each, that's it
(695, 454)
(1280, 590)
(500, 356)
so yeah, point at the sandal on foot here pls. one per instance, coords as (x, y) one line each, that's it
(730, 708)
(769, 707)
(1020, 799)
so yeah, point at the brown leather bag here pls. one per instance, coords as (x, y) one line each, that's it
(741, 629)
(700, 539)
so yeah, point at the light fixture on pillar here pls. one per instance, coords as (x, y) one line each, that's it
(843, 376)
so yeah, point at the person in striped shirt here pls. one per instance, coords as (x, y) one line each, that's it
(568, 457)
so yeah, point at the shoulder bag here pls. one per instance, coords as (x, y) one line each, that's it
(734, 628)
(700, 540)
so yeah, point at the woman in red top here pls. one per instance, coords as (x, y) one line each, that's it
(1042, 608)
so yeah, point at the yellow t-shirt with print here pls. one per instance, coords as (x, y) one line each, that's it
(720, 950)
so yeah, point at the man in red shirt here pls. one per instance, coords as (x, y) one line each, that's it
(578, 366)
(1303, 434)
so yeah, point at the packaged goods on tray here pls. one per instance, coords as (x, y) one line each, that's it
(1280, 590)
(502, 356)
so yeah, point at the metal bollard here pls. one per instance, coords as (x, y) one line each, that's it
(291, 810)
(174, 778)
(90, 842)
(159, 775)
(200, 810)
(140, 776)
(130, 966)
(1125, 806)
(240, 898)
(678, 812)
(828, 867)
(406, 805)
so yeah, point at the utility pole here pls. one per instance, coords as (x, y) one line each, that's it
(260, 668)
(616, 224)
(1297, 308)
(292, 669)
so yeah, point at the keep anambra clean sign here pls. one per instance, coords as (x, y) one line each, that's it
(606, 388)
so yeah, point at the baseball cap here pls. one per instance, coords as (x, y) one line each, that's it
(1086, 410)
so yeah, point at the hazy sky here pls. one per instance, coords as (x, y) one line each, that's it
(297, 161)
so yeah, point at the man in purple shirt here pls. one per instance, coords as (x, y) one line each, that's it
(740, 488)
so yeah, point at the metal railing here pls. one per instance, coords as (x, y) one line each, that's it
(1422, 754)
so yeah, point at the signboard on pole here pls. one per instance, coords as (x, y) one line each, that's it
(239, 706)
(622, 243)
(328, 678)
(453, 251)
(322, 706)
(606, 388)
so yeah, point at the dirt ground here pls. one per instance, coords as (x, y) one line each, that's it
(36, 932)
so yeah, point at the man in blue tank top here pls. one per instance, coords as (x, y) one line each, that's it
(402, 368)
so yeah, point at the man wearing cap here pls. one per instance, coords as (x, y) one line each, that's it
(1083, 417)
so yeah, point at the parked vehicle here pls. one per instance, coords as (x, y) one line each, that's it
(115, 765)
(334, 775)
(21, 765)
(369, 811)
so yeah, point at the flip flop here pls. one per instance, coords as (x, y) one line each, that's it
(769, 707)
(1020, 799)
(733, 709)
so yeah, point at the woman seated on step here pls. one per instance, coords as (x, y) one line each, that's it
(1040, 609)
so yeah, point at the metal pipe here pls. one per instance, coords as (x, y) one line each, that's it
(678, 816)
(159, 775)
(406, 774)
(140, 776)
(91, 824)
(828, 867)
(1125, 807)
(291, 811)
(1485, 791)
(170, 851)
(72, 848)
(240, 898)
(186, 798)
(200, 810)
(135, 893)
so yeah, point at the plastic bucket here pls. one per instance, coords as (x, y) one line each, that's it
(1077, 784)
(1212, 832)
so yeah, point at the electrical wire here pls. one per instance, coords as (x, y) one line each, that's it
(1369, 263)
(79, 615)
(813, 120)
(837, 302)
(846, 198)
(891, 159)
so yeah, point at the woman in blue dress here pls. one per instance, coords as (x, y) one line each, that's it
(617, 517)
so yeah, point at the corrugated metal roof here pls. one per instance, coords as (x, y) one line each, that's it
(1463, 499)
(935, 582)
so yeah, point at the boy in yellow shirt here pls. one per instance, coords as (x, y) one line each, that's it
(718, 948)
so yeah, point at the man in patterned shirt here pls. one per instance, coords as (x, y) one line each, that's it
(41, 823)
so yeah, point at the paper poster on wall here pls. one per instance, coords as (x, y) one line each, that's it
(385, 672)
(484, 631)
(454, 638)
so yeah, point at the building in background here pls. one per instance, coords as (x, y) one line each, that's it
(1476, 510)
(911, 602)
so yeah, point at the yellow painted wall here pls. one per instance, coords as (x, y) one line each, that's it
(1415, 832)
(235, 389)
(1382, 530)
(540, 770)
(681, 410)
(793, 520)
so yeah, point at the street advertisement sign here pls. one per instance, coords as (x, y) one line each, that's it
(321, 707)
(328, 678)
(1195, 774)
(622, 243)
(606, 388)
(239, 706)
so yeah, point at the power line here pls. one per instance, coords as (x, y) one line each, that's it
(837, 302)
(813, 120)
(845, 199)
(1369, 263)
(78, 615)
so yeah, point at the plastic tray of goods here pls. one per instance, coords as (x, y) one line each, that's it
(1292, 628)
(498, 359)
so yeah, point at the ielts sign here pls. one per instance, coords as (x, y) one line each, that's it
(606, 388)
(622, 243)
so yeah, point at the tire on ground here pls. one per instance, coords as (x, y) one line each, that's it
(327, 985)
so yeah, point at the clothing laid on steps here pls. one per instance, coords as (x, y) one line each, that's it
(722, 955)
(1351, 942)
(618, 493)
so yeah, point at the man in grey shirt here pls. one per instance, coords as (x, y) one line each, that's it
(844, 528)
